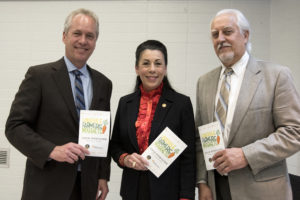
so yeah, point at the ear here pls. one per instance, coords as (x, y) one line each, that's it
(64, 37)
(246, 36)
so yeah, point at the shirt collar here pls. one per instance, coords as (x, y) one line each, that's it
(72, 67)
(238, 66)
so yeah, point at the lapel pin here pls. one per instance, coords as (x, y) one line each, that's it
(164, 105)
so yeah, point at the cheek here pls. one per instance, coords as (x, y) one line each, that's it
(93, 45)
(137, 71)
(215, 46)
(163, 70)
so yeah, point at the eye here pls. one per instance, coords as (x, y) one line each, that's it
(215, 34)
(158, 64)
(76, 33)
(90, 36)
(227, 32)
(145, 63)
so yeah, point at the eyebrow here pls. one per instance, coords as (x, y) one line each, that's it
(227, 27)
(148, 60)
(224, 28)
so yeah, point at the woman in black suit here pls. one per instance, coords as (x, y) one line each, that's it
(140, 118)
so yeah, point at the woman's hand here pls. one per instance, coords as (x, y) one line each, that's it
(204, 192)
(136, 161)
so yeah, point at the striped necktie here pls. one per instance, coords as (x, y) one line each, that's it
(79, 94)
(222, 105)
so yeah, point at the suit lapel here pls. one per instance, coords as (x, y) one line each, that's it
(252, 78)
(164, 105)
(96, 83)
(61, 77)
(132, 113)
(212, 87)
(162, 108)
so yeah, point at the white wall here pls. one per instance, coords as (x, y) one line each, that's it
(31, 34)
(285, 48)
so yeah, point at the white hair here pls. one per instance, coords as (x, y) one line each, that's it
(242, 23)
(83, 11)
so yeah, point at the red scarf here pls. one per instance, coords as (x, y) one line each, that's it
(148, 103)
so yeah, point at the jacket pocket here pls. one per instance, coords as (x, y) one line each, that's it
(275, 171)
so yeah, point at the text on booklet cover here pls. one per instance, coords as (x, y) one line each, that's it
(163, 151)
(94, 131)
(211, 141)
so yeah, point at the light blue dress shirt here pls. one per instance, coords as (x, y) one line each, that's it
(86, 82)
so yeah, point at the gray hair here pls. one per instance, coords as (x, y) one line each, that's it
(82, 11)
(242, 23)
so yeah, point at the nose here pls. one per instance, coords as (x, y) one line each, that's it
(82, 39)
(152, 67)
(221, 37)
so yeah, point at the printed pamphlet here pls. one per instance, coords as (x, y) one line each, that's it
(211, 141)
(163, 151)
(94, 131)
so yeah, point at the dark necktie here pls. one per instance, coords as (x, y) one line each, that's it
(79, 94)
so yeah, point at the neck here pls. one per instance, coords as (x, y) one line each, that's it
(78, 65)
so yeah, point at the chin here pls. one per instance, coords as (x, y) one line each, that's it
(226, 57)
(150, 87)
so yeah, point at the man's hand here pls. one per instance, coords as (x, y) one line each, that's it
(136, 162)
(102, 189)
(204, 192)
(229, 159)
(69, 152)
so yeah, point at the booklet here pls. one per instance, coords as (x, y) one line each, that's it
(211, 141)
(163, 151)
(94, 129)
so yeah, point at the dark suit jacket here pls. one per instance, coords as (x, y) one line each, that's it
(42, 116)
(179, 179)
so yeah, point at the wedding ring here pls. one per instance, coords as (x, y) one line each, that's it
(133, 164)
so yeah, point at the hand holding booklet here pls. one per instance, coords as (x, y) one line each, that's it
(94, 129)
(163, 151)
(211, 141)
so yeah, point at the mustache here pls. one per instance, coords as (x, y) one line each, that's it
(224, 44)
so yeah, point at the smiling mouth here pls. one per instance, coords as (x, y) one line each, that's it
(222, 48)
(81, 49)
(151, 77)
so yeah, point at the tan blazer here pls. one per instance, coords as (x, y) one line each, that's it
(266, 125)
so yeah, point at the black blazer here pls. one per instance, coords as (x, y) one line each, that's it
(43, 115)
(179, 179)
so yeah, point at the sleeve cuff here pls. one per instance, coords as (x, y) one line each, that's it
(201, 181)
(121, 159)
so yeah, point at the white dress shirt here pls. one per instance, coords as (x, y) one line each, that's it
(237, 77)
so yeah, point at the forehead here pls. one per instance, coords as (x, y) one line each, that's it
(148, 53)
(224, 21)
(81, 21)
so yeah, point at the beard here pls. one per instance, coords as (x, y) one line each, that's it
(227, 57)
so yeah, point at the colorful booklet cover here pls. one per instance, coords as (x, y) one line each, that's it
(94, 131)
(163, 151)
(211, 141)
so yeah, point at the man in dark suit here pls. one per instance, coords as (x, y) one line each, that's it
(43, 122)
(262, 126)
